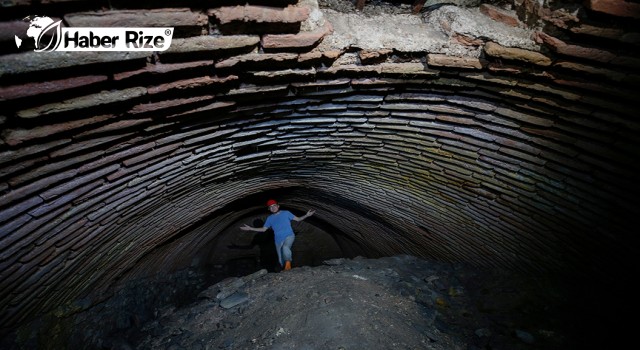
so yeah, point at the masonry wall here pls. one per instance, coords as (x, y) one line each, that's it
(115, 166)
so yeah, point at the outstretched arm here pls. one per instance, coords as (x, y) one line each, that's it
(309, 213)
(246, 227)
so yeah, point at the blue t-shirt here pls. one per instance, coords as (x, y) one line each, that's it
(280, 222)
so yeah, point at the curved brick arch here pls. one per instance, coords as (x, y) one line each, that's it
(510, 160)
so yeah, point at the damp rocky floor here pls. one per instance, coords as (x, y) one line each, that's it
(399, 302)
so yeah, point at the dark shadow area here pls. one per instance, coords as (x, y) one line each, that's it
(267, 258)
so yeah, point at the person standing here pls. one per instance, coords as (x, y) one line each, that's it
(280, 222)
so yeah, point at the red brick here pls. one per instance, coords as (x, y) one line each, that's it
(125, 171)
(115, 126)
(15, 137)
(151, 154)
(602, 32)
(499, 15)
(18, 208)
(149, 107)
(39, 185)
(32, 89)
(30, 61)
(374, 57)
(576, 51)
(258, 59)
(451, 61)
(24, 235)
(181, 17)
(496, 50)
(191, 83)
(79, 181)
(214, 44)
(7, 170)
(615, 7)
(317, 57)
(259, 19)
(208, 108)
(116, 157)
(101, 98)
(49, 206)
(467, 40)
(160, 68)
(296, 41)
(94, 143)
(560, 18)
(9, 228)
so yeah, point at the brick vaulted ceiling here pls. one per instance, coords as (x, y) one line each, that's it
(514, 150)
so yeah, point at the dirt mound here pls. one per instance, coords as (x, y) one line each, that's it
(399, 302)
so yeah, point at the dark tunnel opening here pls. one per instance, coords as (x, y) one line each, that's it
(228, 252)
(236, 253)
(316, 239)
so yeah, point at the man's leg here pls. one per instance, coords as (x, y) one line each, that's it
(286, 251)
(279, 250)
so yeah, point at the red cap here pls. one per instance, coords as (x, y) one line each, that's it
(271, 202)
